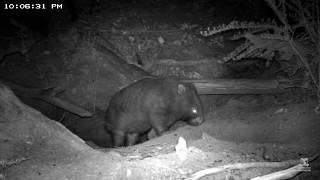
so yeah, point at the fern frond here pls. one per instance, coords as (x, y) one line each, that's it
(236, 25)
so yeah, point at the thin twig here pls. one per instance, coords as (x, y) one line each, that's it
(295, 49)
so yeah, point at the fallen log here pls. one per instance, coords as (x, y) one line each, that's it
(239, 86)
(216, 86)
(48, 95)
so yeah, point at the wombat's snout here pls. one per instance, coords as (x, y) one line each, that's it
(196, 121)
(196, 118)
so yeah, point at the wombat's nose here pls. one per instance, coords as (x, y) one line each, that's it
(195, 121)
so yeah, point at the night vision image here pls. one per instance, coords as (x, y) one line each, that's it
(159, 90)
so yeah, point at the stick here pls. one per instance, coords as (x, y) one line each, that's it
(286, 174)
(48, 95)
(65, 105)
(220, 169)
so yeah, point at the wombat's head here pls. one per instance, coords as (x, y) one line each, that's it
(190, 104)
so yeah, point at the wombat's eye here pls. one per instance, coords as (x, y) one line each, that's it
(194, 110)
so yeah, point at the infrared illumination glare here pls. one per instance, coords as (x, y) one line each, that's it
(194, 110)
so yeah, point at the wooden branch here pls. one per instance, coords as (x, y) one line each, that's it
(227, 167)
(238, 86)
(48, 95)
(64, 105)
(224, 168)
(284, 174)
(291, 172)
(130, 71)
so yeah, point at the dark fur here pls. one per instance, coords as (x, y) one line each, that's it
(151, 104)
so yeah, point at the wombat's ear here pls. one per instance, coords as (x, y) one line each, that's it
(181, 89)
